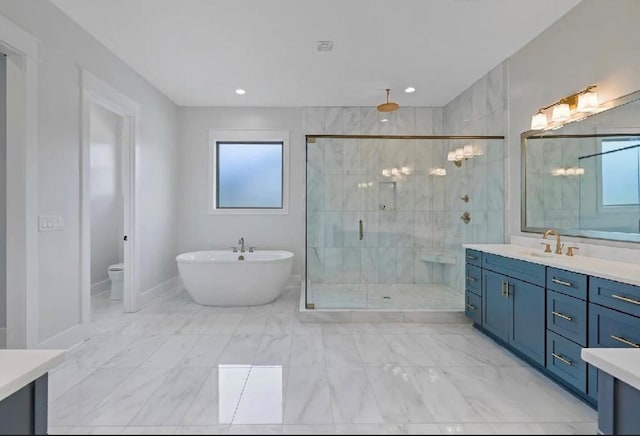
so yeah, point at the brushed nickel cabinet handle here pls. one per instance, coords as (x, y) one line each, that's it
(625, 299)
(561, 315)
(562, 359)
(471, 306)
(472, 279)
(561, 282)
(361, 228)
(625, 341)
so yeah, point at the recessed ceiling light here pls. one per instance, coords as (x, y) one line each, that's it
(240, 91)
(324, 45)
(384, 120)
(410, 89)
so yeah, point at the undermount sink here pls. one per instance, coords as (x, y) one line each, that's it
(537, 253)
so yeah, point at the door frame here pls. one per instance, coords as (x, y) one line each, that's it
(95, 91)
(22, 280)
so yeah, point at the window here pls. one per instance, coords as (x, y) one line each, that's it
(248, 171)
(621, 172)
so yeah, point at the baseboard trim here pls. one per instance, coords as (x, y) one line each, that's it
(159, 290)
(3, 337)
(66, 339)
(99, 287)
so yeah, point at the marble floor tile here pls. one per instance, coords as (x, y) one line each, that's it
(169, 403)
(210, 429)
(466, 428)
(150, 429)
(341, 350)
(62, 379)
(279, 324)
(255, 429)
(307, 398)
(273, 350)
(308, 429)
(225, 323)
(124, 402)
(206, 351)
(205, 408)
(374, 349)
(139, 350)
(397, 395)
(198, 324)
(55, 430)
(96, 430)
(361, 429)
(71, 407)
(143, 324)
(408, 351)
(555, 428)
(252, 324)
(240, 350)
(413, 429)
(307, 350)
(352, 397)
(97, 350)
(171, 352)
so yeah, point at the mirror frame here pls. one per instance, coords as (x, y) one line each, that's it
(591, 234)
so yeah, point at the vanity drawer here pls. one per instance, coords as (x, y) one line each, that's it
(563, 359)
(616, 295)
(566, 282)
(612, 329)
(567, 316)
(473, 257)
(525, 271)
(473, 307)
(473, 279)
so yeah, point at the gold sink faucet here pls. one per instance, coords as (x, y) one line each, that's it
(557, 235)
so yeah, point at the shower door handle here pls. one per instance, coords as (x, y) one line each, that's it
(361, 230)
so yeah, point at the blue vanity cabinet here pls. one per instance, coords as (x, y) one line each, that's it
(514, 310)
(495, 307)
(473, 286)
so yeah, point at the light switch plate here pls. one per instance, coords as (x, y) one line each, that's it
(50, 223)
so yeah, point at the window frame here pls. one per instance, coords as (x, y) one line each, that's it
(247, 136)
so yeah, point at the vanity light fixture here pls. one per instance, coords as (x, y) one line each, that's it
(572, 171)
(570, 108)
(438, 171)
(410, 89)
(240, 91)
(463, 153)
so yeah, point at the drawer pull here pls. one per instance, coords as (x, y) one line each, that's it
(562, 315)
(472, 257)
(625, 299)
(471, 306)
(563, 283)
(625, 341)
(562, 359)
(472, 279)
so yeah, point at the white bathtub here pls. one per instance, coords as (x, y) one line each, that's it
(219, 278)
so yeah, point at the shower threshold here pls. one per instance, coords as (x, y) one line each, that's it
(433, 303)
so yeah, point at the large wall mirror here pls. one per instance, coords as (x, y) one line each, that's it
(583, 179)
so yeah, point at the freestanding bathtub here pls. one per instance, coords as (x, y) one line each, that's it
(220, 278)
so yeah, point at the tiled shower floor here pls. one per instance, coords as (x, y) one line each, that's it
(385, 296)
(179, 368)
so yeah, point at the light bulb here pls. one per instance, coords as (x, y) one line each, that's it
(468, 150)
(570, 172)
(405, 170)
(579, 171)
(558, 172)
(539, 121)
(386, 172)
(561, 112)
(451, 156)
(588, 102)
(459, 154)
(395, 171)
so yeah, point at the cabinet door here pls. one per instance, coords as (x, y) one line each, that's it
(527, 329)
(496, 307)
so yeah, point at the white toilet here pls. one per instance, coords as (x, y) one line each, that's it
(116, 275)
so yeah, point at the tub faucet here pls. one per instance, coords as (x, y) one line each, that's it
(241, 242)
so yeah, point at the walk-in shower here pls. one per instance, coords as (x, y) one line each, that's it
(387, 217)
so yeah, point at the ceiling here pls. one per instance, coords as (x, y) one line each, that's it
(198, 52)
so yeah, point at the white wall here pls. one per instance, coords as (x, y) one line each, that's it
(3, 195)
(595, 43)
(200, 231)
(64, 49)
(107, 215)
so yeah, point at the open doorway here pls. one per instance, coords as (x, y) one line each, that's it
(106, 210)
(108, 225)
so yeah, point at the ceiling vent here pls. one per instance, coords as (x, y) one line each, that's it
(324, 46)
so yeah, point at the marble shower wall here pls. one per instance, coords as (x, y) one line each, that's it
(479, 110)
(345, 184)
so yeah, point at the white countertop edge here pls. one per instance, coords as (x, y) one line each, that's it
(18, 368)
(606, 269)
(621, 363)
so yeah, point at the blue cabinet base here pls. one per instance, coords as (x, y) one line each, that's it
(619, 401)
(569, 388)
(25, 411)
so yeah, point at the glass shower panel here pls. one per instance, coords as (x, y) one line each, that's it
(384, 219)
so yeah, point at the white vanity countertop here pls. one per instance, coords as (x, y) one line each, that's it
(606, 269)
(621, 363)
(18, 368)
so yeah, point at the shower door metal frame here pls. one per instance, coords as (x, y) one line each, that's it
(311, 139)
